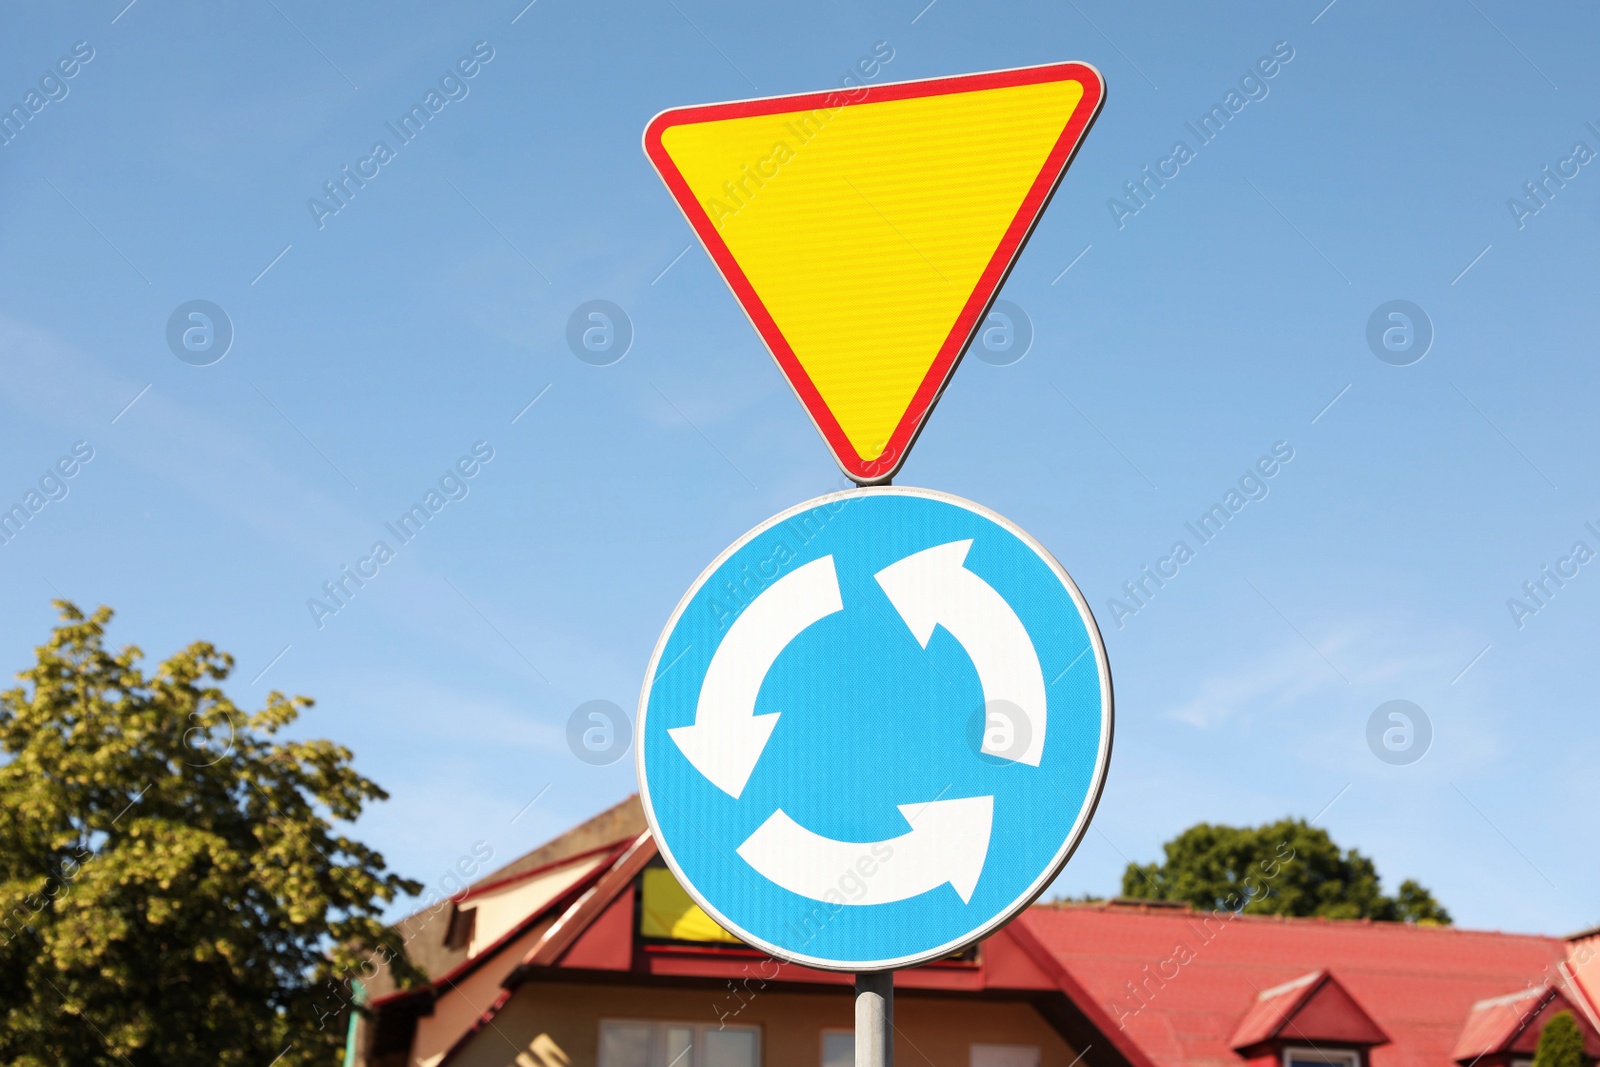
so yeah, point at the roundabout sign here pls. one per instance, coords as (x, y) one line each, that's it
(874, 729)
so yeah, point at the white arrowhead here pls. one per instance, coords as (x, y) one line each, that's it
(726, 752)
(948, 842)
(920, 586)
(960, 830)
(728, 737)
(933, 588)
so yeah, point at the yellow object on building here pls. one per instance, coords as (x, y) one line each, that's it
(668, 912)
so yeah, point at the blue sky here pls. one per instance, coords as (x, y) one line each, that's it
(372, 352)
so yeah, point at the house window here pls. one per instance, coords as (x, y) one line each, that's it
(654, 1044)
(462, 925)
(1005, 1056)
(838, 1048)
(1320, 1057)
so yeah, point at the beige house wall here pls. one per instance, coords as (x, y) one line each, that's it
(1583, 963)
(500, 910)
(558, 1025)
(460, 1006)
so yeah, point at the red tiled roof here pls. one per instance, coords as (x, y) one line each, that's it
(1200, 974)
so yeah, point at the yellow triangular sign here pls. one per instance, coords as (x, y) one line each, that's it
(866, 231)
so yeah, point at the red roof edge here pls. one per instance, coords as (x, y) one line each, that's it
(556, 940)
(573, 893)
(580, 908)
(1075, 992)
(534, 872)
(1567, 972)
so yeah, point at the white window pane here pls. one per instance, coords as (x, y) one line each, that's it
(624, 1045)
(680, 1046)
(1005, 1056)
(838, 1049)
(729, 1048)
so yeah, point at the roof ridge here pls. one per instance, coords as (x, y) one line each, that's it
(1293, 983)
(1512, 998)
(1153, 907)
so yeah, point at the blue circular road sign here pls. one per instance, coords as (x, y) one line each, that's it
(874, 729)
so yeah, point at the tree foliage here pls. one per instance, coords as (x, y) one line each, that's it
(1284, 868)
(173, 889)
(1560, 1043)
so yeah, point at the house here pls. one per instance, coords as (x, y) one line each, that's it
(587, 952)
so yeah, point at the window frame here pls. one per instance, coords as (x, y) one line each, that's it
(462, 927)
(658, 1028)
(1334, 1057)
(822, 1042)
(972, 1049)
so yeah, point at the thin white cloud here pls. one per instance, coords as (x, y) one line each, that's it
(1401, 655)
(1282, 677)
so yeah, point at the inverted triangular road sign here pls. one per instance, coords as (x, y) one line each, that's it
(866, 231)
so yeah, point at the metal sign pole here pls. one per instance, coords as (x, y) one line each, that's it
(875, 1019)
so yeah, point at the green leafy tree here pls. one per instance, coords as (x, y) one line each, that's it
(1284, 868)
(173, 891)
(1560, 1043)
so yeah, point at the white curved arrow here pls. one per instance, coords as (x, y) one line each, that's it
(948, 842)
(933, 588)
(727, 737)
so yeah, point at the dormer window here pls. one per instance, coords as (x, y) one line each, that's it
(1504, 1031)
(1310, 1021)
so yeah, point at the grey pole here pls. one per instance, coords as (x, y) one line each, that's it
(875, 1019)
